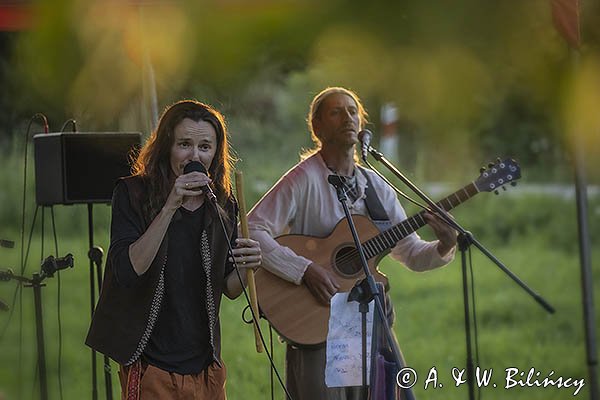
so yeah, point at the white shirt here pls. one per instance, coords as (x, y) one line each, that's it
(303, 202)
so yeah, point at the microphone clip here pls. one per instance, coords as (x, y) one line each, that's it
(51, 264)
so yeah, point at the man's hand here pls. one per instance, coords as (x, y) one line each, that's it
(445, 234)
(321, 283)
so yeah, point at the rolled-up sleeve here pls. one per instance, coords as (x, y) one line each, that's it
(271, 217)
(412, 251)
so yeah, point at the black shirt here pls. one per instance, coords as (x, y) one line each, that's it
(180, 339)
(125, 309)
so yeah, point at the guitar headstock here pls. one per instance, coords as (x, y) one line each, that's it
(497, 175)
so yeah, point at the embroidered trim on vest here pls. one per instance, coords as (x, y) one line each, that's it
(134, 380)
(210, 301)
(154, 309)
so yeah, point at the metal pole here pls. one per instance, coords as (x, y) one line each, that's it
(587, 289)
(39, 324)
(92, 297)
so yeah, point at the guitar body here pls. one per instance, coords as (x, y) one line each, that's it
(292, 309)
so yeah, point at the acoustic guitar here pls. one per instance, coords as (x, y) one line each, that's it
(296, 314)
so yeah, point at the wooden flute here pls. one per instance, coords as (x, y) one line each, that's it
(239, 186)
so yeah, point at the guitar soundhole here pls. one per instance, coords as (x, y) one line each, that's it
(347, 261)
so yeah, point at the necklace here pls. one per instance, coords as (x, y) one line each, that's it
(349, 183)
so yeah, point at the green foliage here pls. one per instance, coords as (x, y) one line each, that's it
(545, 219)
(513, 330)
(469, 87)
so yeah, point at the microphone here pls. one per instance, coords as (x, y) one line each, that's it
(197, 166)
(365, 142)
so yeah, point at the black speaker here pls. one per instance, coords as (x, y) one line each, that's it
(81, 167)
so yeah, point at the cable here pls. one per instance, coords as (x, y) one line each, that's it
(443, 214)
(19, 289)
(24, 254)
(254, 317)
(58, 308)
(42, 235)
(400, 192)
(271, 369)
(73, 125)
(37, 364)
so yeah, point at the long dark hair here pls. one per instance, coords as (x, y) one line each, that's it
(153, 161)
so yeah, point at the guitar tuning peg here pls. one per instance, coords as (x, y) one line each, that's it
(490, 165)
(496, 191)
(498, 159)
(482, 169)
(513, 184)
(504, 188)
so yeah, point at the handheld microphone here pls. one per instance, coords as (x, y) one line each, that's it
(365, 142)
(197, 166)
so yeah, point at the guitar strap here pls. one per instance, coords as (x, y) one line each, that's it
(382, 221)
(374, 207)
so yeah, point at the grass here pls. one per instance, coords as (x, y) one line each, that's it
(513, 330)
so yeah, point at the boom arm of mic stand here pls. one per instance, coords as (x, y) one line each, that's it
(398, 191)
(434, 207)
(452, 223)
(465, 239)
(515, 278)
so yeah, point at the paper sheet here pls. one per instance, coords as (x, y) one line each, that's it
(344, 343)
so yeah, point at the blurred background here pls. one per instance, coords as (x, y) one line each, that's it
(449, 86)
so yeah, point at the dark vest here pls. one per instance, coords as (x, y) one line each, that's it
(125, 316)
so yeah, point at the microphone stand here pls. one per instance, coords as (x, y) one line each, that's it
(465, 239)
(49, 267)
(95, 254)
(367, 288)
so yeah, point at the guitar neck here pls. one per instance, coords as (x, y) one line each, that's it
(388, 238)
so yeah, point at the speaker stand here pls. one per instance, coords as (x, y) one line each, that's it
(95, 255)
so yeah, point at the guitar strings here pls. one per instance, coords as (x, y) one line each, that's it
(353, 256)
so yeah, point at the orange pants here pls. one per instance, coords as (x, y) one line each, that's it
(141, 381)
